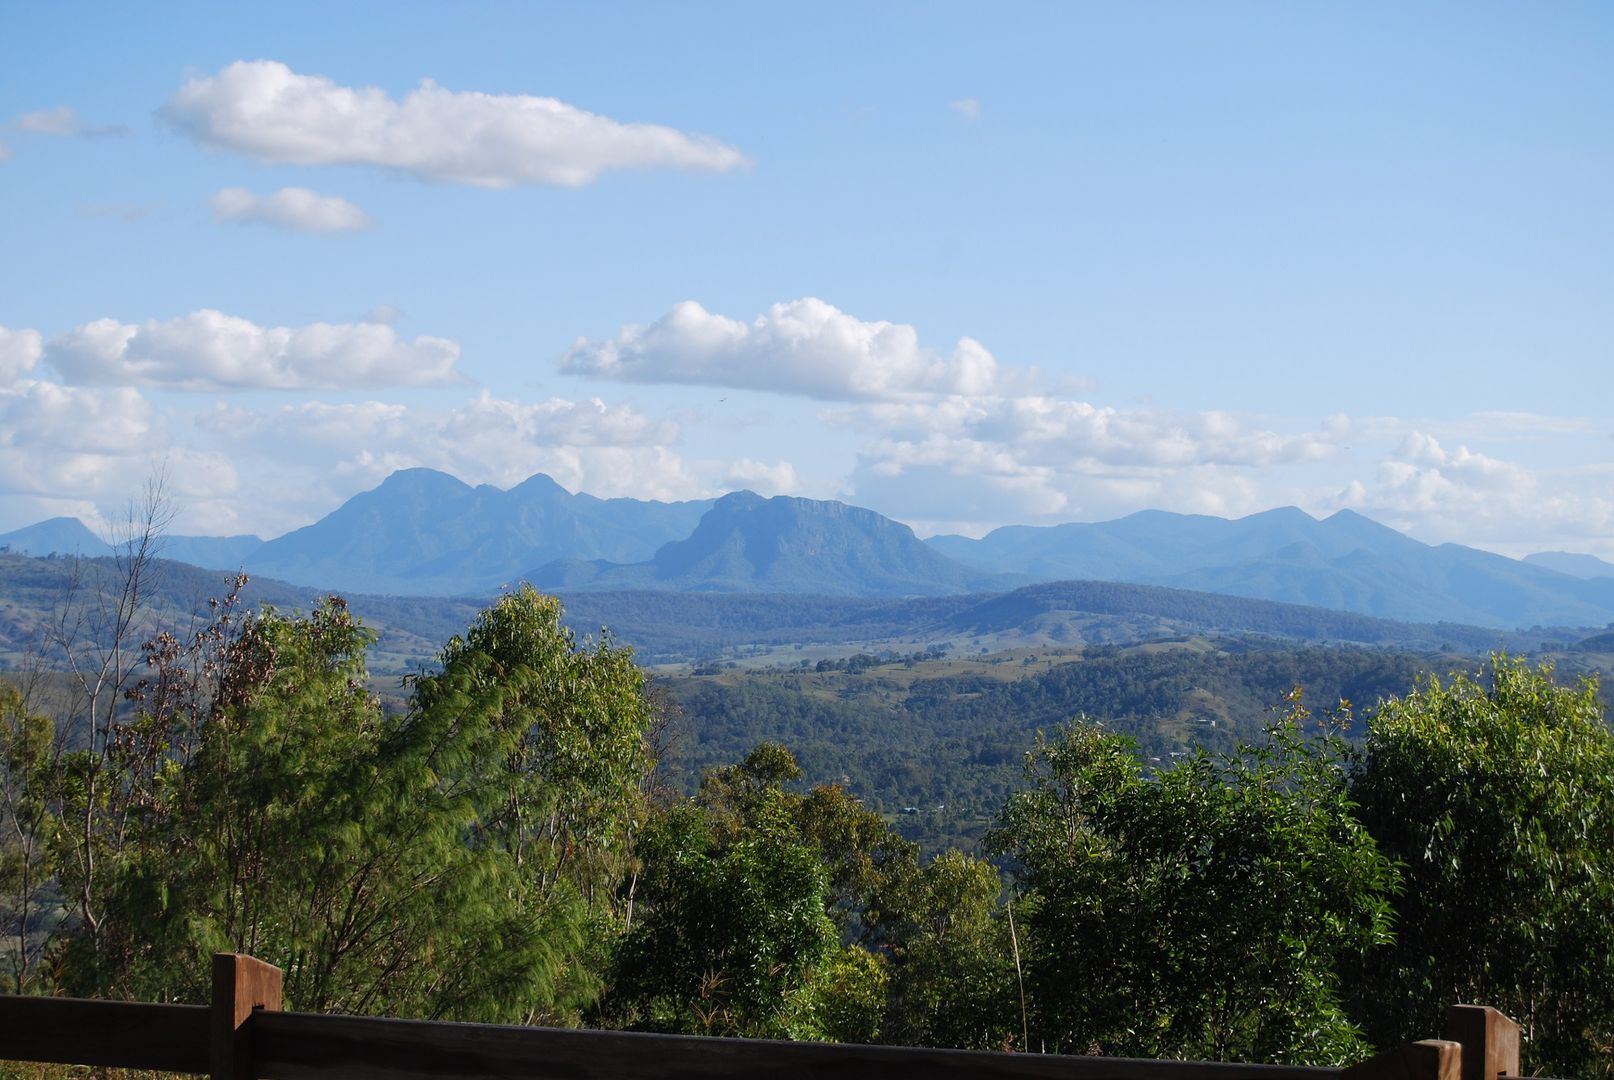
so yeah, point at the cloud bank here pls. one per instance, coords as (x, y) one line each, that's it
(266, 110)
(295, 208)
(209, 350)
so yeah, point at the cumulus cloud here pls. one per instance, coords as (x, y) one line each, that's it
(46, 415)
(62, 442)
(592, 446)
(19, 352)
(209, 350)
(64, 120)
(1422, 480)
(762, 478)
(1469, 497)
(295, 208)
(805, 347)
(266, 110)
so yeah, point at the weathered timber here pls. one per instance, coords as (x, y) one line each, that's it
(126, 1034)
(1490, 1041)
(303, 1046)
(1432, 1059)
(241, 985)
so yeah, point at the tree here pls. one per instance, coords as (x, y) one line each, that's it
(1496, 793)
(732, 934)
(431, 863)
(559, 737)
(952, 977)
(745, 891)
(95, 634)
(1196, 913)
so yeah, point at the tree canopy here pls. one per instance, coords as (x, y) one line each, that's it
(1199, 912)
(1496, 795)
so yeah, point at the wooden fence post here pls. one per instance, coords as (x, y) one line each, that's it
(1432, 1059)
(240, 985)
(1490, 1041)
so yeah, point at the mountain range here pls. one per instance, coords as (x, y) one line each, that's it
(424, 533)
(1345, 562)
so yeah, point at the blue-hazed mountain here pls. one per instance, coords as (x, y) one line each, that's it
(747, 543)
(1575, 565)
(70, 536)
(1345, 562)
(55, 536)
(425, 533)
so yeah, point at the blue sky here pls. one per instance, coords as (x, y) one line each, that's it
(968, 265)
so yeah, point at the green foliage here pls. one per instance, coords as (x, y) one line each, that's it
(27, 830)
(443, 861)
(560, 732)
(953, 978)
(1496, 793)
(746, 889)
(732, 933)
(1198, 913)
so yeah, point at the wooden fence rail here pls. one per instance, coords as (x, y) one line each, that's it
(243, 1035)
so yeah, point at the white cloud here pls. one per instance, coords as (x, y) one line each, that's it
(19, 352)
(487, 439)
(1421, 479)
(61, 120)
(1468, 497)
(295, 208)
(208, 350)
(479, 428)
(64, 120)
(5, 153)
(73, 443)
(1040, 430)
(264, 109)
(46, 415)
(762, 478)
(383, 313)
(969, 463)
(126, 212)
(805, 347)
(968, 108)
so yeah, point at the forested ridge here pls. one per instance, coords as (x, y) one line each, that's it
(1160, 850)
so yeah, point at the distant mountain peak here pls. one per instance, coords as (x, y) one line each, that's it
(55, 536)
(420, 478)
(540, 484)
(784, 544)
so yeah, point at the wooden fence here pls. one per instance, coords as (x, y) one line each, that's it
(244, 1035)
